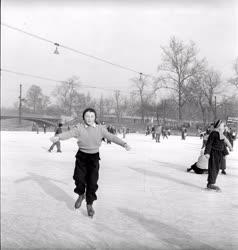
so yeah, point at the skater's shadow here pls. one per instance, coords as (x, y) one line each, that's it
(170, 235)
(170, 165)
(48, 186)
(163, 176)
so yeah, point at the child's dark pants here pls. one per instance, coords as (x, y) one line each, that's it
(86, 175)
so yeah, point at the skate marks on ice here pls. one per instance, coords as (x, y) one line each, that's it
(171, 165)
(171, 236)
(163, 176)
(51, 189)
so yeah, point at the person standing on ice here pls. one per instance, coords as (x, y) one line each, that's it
(183, 133)
(124, 132)
(215, 151)
(86, 170)
(57, 143)
(153, 132)
(158, 130)
(44, 128)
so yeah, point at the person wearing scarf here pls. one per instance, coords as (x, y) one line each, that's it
(215, 151)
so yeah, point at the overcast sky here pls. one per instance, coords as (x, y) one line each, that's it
(129, 33)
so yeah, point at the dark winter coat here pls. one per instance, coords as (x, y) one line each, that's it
(214, 143)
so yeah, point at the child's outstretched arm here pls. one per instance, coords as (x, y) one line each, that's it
(65, 135)
(114, 139)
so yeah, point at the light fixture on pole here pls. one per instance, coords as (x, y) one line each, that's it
(56, 49)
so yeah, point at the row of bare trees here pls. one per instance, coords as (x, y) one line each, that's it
(184, 87)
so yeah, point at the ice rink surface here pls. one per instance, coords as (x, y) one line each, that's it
(146, 199)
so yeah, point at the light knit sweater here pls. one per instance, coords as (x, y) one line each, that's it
(90, 137)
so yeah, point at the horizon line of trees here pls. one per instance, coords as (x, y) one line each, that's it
(184, 88)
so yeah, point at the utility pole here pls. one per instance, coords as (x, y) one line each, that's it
(20, 104)
(142, 102)
(215, 108)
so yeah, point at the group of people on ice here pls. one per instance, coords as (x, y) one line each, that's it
(216, 142)
(156, 131)
(90, 135)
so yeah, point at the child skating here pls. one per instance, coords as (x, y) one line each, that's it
(86, 170)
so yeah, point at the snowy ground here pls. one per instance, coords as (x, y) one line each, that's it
(146, 199)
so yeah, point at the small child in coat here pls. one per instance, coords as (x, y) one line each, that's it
(201, 166)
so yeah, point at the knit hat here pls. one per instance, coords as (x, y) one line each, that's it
(89, 110)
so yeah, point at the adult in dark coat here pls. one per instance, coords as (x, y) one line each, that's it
(215, 151)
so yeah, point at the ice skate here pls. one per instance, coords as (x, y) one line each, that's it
(223, 172)
(90, 210)
(79, 201)
(213, 187)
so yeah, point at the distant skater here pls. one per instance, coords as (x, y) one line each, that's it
(183, 133)
(86, 172)
(124, 132)
(37, 128)
(158, 130)
(153, 132)
(164, 133)
(44, 128)
(57, 143)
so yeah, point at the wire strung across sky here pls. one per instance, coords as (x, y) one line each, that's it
(76, 51)
(84, 85)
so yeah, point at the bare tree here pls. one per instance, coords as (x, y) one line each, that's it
(131, 103)
(89, 101)
(35, 99)
(108, 105)
(44, 103)
(66, 94)
(228, 106)
(196, 88)
(101, 107)
(210, 85)
(203, 89)
(141, 86)
(179, 65)
(234, 80)
(117, 98)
